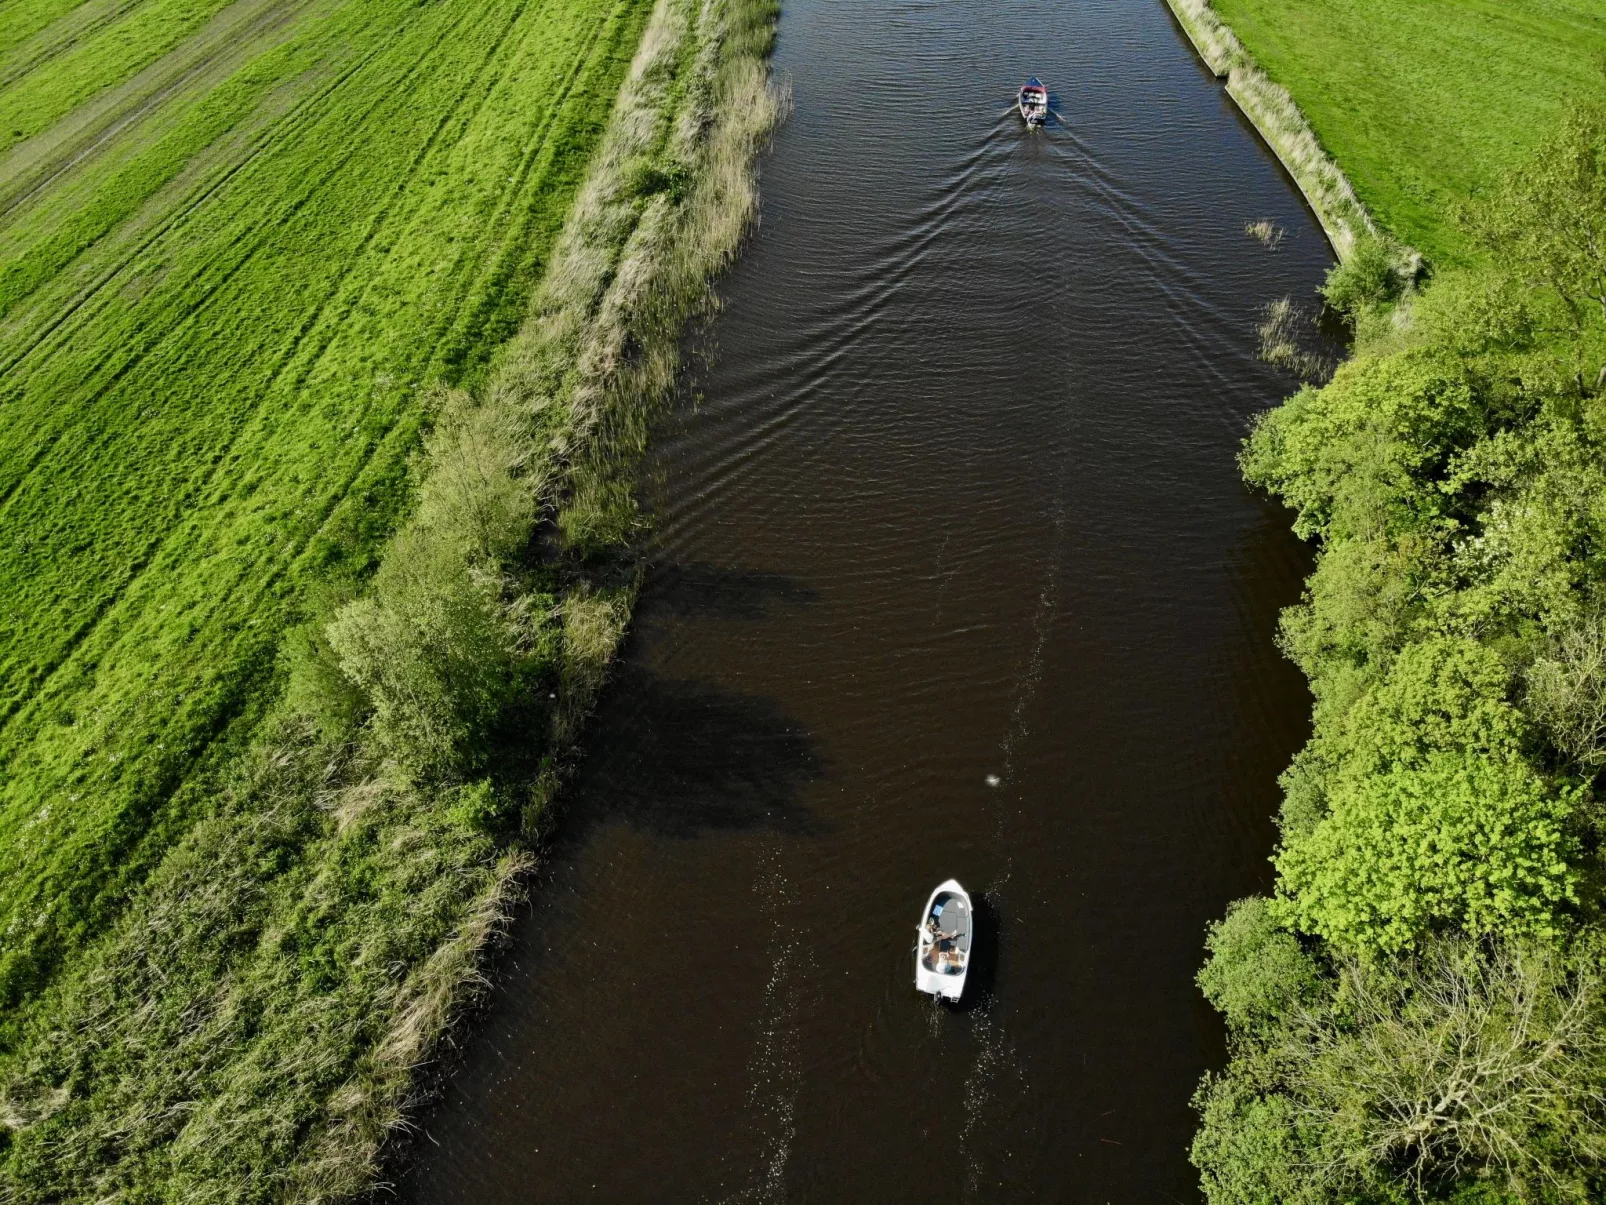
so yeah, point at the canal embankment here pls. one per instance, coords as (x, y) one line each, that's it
(1272, 110)
(544, 457)
(256, 1023)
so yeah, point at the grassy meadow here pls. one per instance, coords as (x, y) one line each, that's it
(223, 298)
(1425, 103)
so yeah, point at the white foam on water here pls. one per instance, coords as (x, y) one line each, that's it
(977, 1083)
(996, 1073)
(775, 1070)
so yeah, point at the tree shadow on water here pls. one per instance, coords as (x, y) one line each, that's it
(681, 758)
(706, 591)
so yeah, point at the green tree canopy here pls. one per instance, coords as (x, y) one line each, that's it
(1435, 816)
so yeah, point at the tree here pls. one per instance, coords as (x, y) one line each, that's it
(1435, 817)
(1567, 690)
(1549, 220)
(1470, 1066)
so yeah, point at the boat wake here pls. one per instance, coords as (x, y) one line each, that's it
(775, 1071)
(995, 1072)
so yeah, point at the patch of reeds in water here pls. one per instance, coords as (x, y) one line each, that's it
(1290, 338)
(1265, 232)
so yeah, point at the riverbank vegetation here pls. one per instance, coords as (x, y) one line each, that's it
(248, 875)
(1418, 1013)
(1273, 112)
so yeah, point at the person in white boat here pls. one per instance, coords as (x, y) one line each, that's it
(942, 945)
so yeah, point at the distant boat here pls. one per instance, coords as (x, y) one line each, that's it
(1033, 101)
(942, 955)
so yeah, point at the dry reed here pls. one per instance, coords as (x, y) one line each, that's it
(1287, 335)
(1265, 232)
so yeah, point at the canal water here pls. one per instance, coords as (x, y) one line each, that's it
(953, 575)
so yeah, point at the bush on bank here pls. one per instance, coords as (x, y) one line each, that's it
(1418, 1013)
(448, 639)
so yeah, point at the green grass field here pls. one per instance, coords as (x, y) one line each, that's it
(237, 240)
(1424, 102)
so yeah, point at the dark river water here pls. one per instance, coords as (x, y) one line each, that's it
(954, 575)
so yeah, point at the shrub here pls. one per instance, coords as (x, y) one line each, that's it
(1257, 971)
(1549, 219)
(482, 808)
(474, 497)
(319, 689)
(440, 651)
(1247, 1149)
(1363, 453)
(1365, 280)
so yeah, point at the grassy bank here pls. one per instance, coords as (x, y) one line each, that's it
(316, 838)
(1425, 103)
(1418, 1013)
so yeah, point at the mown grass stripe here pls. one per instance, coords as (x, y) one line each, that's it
(515, 242)
(33, 168)
(142, 558)
(57, 313)
(36, 30)
(251, 235)
(104, 59)
(381, 216)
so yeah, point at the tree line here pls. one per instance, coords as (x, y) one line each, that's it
(1418, 1012)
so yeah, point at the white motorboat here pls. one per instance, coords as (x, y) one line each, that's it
(942, 951)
